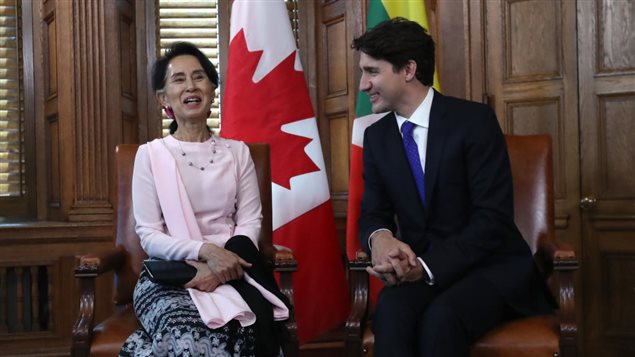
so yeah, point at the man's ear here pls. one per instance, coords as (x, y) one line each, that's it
(410, 70)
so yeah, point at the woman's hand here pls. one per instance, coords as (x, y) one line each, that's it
(205, 279)
(225, 264)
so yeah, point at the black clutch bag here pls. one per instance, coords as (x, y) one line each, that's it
(169, 272)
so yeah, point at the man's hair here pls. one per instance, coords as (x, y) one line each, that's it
(160, 67)
(398, 41)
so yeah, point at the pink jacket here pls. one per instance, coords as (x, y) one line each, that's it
(178, 207)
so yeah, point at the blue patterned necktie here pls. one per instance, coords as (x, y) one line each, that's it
(412, 152)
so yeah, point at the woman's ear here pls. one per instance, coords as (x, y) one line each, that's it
(162, 98)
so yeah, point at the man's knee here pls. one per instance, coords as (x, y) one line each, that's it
(398, 306)
(442, 332)
(440, 316)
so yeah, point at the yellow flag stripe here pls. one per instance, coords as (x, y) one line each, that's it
(414, 10)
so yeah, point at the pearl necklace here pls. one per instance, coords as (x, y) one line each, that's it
(190, 163)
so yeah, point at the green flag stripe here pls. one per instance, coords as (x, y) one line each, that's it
(376, 14)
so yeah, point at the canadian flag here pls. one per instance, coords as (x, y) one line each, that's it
(266, 100)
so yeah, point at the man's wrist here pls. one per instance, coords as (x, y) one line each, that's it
(375, 234)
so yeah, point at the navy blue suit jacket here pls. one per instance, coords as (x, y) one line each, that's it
(467, 224)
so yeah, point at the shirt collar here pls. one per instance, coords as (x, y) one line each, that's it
(421, 115)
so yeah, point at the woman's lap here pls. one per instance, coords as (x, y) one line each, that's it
(171, 326)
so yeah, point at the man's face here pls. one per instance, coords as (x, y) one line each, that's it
(383, 85)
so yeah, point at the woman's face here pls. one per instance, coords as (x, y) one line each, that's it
(188, 90)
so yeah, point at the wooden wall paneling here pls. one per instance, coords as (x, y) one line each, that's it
(337, 23)
(51, 124)
(340, 142)
(332, 19)
(531, 77)
(146, 34)
(452, 42)
(50, 60)
(129, 131)
(475, 52)
(65, 69)
(94, 107)
(77, 62)
(53, 160)
(307, 39)
(606, 58)
(123, 103)
(37, 289)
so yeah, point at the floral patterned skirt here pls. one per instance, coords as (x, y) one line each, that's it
(172, 326)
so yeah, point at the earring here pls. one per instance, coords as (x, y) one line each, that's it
(168, 112)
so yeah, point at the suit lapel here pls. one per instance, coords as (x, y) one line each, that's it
(437, 133)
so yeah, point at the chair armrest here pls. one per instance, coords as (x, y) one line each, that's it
(88, 268)
(563, 263)
(285, 264)
(283, 259)
(93, 265)
(359, 290)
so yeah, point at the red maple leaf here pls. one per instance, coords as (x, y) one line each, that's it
(255, 112)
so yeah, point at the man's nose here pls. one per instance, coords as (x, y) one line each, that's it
(364, 84)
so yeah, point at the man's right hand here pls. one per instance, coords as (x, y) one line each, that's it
(392, 259)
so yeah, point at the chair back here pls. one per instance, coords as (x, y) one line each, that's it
(531, 165)
(127, 239)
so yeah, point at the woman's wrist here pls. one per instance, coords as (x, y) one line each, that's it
(206, 251)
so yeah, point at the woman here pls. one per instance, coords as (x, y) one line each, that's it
(195, 198)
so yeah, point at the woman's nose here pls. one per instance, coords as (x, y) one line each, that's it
(189, 84)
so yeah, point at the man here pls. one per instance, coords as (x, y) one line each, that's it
(437, 209)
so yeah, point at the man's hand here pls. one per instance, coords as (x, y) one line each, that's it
(224, 264)
(393, 260)
(385, 273)
(406, 269)
(204, 280)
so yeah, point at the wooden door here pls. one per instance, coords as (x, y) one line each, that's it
(545, 74)
(606, 60)
(531, 81)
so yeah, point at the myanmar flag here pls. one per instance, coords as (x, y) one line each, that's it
(378, 11)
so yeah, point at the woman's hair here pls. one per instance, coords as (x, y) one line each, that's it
(398, 41)
(160, 68)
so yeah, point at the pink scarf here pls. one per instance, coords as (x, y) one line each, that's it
(224, 303)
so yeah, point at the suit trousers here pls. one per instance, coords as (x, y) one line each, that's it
(415, 319)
